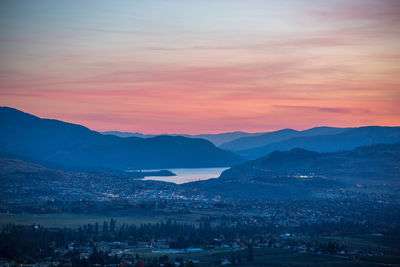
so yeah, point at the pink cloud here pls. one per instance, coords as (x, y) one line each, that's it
(382, 11)
(334, 66)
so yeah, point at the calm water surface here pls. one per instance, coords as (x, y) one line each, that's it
(189, 175)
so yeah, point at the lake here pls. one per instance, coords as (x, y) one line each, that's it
(189, 175)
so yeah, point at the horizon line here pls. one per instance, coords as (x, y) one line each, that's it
(202, 133)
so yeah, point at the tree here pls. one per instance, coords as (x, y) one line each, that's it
(112, 225)
(105, 227)
(250, 256)
(233, 259)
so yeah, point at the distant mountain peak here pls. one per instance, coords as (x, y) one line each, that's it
(74, 145)
(365, 164)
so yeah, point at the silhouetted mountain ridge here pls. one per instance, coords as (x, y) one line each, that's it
(75, 145)
(277, 136)
(366, 164)
(352, 138)
(216, 139)
(303, 174)
(127, 134)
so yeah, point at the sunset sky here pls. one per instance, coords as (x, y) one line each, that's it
(203, 66)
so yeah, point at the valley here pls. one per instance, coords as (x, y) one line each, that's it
(290, 206)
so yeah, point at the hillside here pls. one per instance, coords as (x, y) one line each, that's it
(221, 138)
(127, 134)
(302, 174)
(367, 164)
(70, 144)
(12, 170)
(347, 140)
(249, 142)
(216, 139)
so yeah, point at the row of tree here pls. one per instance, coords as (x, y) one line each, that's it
(17, 241)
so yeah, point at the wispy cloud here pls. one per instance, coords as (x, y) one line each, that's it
(342, 110)
(257, 66)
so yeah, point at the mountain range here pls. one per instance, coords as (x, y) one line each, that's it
(294, 164)
(216, 139)
(263, 139)
(320, 139)
(127, 134)
(295, 174)
(68, 144)
(365, 164)
(55, 144)
(303, 174)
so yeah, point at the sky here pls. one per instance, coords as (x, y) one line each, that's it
(204, 66)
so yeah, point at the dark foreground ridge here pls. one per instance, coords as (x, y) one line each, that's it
(366, 164)
(69, 144)
(301, 174)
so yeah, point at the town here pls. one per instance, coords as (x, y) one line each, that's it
(182, 226)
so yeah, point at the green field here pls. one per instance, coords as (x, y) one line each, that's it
(263, 257)
(75, 220)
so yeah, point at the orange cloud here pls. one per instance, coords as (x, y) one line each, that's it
(333, 64)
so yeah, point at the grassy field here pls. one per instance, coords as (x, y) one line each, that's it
(386, 243)
(75, 220)
(263, 257)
